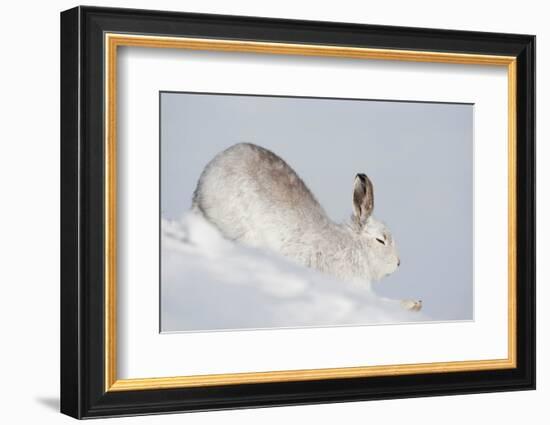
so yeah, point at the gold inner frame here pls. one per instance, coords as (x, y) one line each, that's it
(113, 41)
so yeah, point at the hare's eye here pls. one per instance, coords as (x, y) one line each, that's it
(381, 241)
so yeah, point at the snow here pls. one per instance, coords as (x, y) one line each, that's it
(210, 283)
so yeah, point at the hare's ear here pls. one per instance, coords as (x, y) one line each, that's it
(363, 198)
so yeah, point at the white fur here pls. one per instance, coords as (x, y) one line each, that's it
(252, 196)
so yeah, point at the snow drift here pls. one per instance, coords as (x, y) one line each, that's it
(210, 283)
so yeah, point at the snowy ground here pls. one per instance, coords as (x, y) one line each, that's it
(210, 283)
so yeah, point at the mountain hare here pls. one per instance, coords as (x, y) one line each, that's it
(253, 196)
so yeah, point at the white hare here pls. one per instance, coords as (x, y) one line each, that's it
(252, 196)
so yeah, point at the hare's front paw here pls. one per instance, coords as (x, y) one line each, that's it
(412, 305)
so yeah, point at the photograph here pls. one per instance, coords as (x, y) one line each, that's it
(294, 212)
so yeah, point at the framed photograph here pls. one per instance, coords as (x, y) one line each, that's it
(261, 212)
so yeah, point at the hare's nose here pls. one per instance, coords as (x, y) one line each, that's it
(398, 262)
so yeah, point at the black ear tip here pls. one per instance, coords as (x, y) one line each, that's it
(361, 176)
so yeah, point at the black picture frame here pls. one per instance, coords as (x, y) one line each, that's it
(83, 392)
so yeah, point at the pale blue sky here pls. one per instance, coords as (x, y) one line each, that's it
(418, 155)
